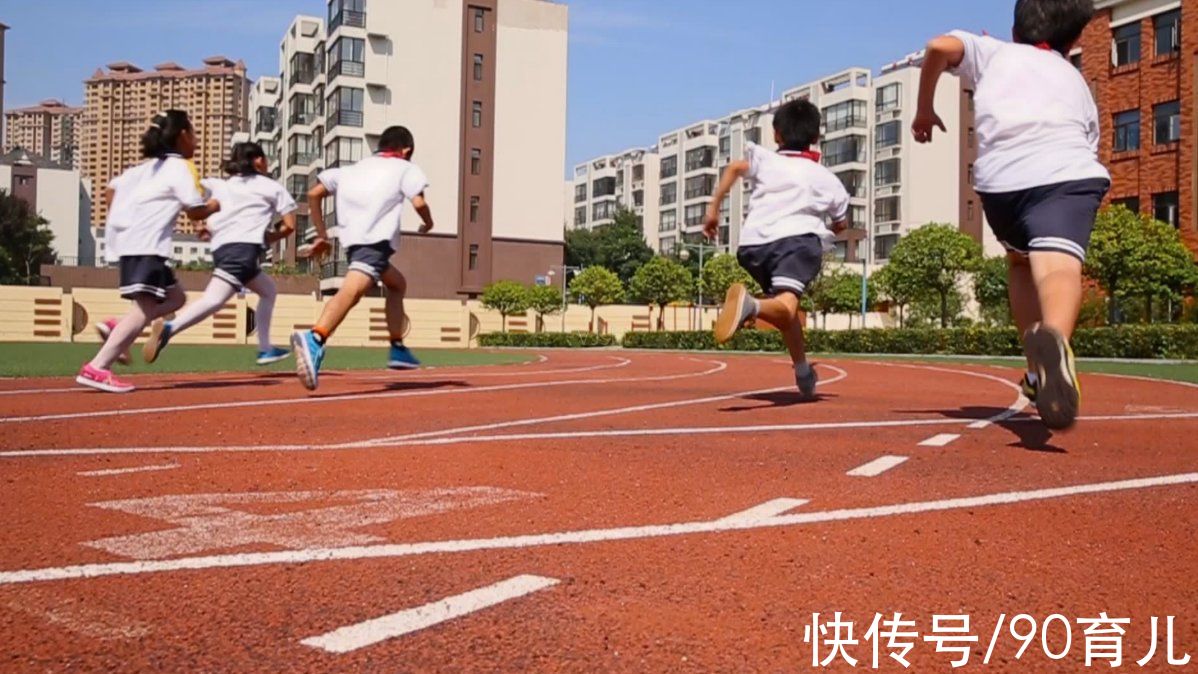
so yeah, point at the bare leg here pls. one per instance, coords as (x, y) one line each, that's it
(1058, 278)
(1021, 289)
(353, 288)
(397, 288)
(782, 312)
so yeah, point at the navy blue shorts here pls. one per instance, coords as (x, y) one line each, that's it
(237, 263)
(146, 276)
(1055, 218)
(371, 259)
(785, 265)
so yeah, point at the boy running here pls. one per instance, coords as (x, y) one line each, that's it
(784, 238)
(1037, 173)
(370, 197)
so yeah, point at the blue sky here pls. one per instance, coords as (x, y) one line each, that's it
(638, 68)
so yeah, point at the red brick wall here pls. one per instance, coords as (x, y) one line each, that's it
(1153, 169)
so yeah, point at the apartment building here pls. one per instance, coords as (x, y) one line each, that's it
(56, 193)
(482, 86)
(627, 180)
(3, 30)
(120, 102)
(265, 96)
(48, 129)
(753, 125)
(1141, 59)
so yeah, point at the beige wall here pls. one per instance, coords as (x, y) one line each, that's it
(530, 119)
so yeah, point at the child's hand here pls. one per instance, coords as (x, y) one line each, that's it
(204, 234)
(925, 122)
(316, 250)
(711, 225)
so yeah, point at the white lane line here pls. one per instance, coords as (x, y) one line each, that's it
(446, 372)
(578, 537)
(563, 435)
(1014, 408)
(356, 397)
(121, 471)
(979, 425)
(766, 510)
(940, 440)
(877, 466)
(370, 632)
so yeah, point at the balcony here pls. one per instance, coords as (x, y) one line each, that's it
(344, 118)
(347, 68)
(302, 117)
(347, 17)
(305, 75)
(302, 158)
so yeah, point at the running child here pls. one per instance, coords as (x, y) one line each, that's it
(250, 203)
(144, 203)
(370, 197)
(1037, 174)
(785, 235)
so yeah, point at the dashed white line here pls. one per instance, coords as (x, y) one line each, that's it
(939, 440)
(766, 510)
(877, 466)
(122, 471)
(370, 632)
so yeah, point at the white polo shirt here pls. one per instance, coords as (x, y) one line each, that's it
(248, 206)
(370, 196)
(146, 203)
(1036, 120)
(793, 194)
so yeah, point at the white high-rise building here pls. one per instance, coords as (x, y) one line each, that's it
(603, 186)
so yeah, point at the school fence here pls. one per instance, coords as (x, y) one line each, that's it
(49, 314)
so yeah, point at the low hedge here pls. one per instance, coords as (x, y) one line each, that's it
(573, 340)
(1128, 341)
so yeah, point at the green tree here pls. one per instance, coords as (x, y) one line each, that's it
(545, 301)
(935, 259)
(1134, 256)
(595, 287)
(820, 297)
(844, 294)
(507, 297)
(25, 242)
(720, 272)
(990, 291)
(619, 246)
(659, 282)
(896, 288)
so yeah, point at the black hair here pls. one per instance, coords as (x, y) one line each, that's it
(1057, 23)
(797, 122)
(242, 158)
(162, 138)
(397, 138)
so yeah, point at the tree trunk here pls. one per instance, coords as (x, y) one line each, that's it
(661, 318)
(1112, 309)
(902, 318)
(503, 321)
(943, 310)
(592, 326)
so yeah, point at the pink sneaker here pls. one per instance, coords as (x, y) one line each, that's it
(105, 329)
(102, 380)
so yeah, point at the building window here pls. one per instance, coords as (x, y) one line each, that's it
(725, 146)
(477, 115)
(480, 19)
(854, 182)
(345, 107)
(888, 134)
(669, 194)
(884, 245)
(753, 136)
(886, 209)
(580, 193)
(476, 162)
(856, 216)
(1166, 122)
(694, 215)
(604, 210)
(478, 67)
(886, 172)
(845, 115)
(1130, 203)
(669, 167)
(343, 151)
(638, 198)
(1165, 206)
(700, 158)
(348, 57)
(638, 173)
(667, 244)
(1127, 44)
(669, 221)
(1168, 33)
(473, 262)
(603, 187)
(700, 186)
(1127, 131)
(474, 204)
(580, 215)
(887, 97)
(844, 150)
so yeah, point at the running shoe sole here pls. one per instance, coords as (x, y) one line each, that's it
(270, 360)
(101, 386)
(730, 317)
(1058, 398)
(399, 365)
(808, 392)
(153, 345)
(303, 365)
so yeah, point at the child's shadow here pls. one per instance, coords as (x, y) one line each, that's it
(777, 399)
(1030, 433)
(398, 386)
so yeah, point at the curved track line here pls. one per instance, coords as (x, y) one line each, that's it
(441, 372)
(1014, 408)
(576, 537)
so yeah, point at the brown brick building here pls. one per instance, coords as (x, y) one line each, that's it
(1141, 58)
(48, 129)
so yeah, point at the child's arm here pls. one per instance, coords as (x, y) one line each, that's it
(943, 53)
(425, 213)
(203, 211)
(285, 230)
(735, 171)
(316, 197)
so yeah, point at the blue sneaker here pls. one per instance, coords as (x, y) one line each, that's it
(308, 355)
(402, 359)
(160, 336)
(272, 355)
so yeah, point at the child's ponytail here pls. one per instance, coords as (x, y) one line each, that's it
(162, 137)
(242, 158)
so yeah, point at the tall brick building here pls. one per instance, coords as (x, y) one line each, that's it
(1141, 58)
(48, 129)
(119, 104)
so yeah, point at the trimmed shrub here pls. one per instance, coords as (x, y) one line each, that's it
(573, 340)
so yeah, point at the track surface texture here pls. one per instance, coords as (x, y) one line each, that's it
(591, 511)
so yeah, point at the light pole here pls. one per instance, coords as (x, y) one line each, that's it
(684, 255)
(566, 269)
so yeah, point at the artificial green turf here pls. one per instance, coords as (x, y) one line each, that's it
(54, 360)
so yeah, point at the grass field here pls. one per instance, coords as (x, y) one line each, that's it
(55, 360)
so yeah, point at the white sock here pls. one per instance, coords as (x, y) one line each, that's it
(264, 287)
(1033, 378)
(803, 369)
(756, 307)
(214, 297)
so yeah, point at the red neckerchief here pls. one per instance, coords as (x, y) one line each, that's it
(804, 154)
(391, 155)
(1043, 45)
